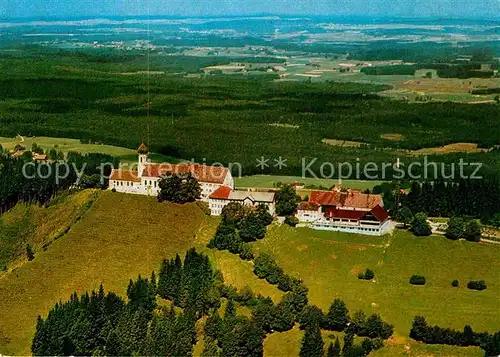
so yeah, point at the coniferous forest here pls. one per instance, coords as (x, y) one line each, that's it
(103, 323)
(24, 180)
(471, 198)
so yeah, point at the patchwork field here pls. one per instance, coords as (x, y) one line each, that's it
(45, 99)
(120, 237)
(329, 262)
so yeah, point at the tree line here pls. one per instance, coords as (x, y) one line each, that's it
(422, 331)
(465, 198)
(240, 225)
(23, 179)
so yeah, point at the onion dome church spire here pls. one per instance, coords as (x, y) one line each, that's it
(143, 149)
(143, 152)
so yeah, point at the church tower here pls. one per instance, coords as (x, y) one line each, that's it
(143, 158)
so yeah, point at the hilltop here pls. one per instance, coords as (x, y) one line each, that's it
(119, 237)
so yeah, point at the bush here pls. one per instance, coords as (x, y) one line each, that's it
(472, 231)
(291, 221)
(264, 214)
(367, 275)
(375, 327)
(287, 201)
(29, 252)
(252, 228)
(455, 283)
(419, 225)
(226, 238)
(421, 331)
(456, 228)
(245, 252)
(417, 280)
(265, 267)
(476, 285)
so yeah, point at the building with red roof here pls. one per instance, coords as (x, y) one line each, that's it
(347, 211)
(224, 195)
(145, 178)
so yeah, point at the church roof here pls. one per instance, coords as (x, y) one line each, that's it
(203, 173)
(143, 149)
(124, 175)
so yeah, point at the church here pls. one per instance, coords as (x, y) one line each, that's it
(144, 180)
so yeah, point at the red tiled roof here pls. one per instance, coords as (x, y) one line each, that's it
(221, 193)
(353, 199)
(203, 173)
(379, 213)
(308, 206)
(18, 153)
(324, 198)
(124, 175)
(39, 156)
(333, 212)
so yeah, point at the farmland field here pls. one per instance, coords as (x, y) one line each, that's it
(228, 118)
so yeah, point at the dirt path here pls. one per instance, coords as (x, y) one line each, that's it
(489, 241)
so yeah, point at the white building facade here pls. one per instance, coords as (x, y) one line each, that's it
(225, 194)
(145, 181)
(351, 212)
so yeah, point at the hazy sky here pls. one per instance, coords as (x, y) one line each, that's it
(410, 8)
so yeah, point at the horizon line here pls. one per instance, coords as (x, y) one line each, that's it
(491, 17)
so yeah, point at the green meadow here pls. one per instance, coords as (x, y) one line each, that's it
(120, 236)
(329, 263)
(270, 181)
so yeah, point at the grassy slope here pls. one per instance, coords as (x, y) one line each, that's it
(120, 237)
(167, 229)
(38, 225)
(237, 272)
(288, 344)
(328, 262)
